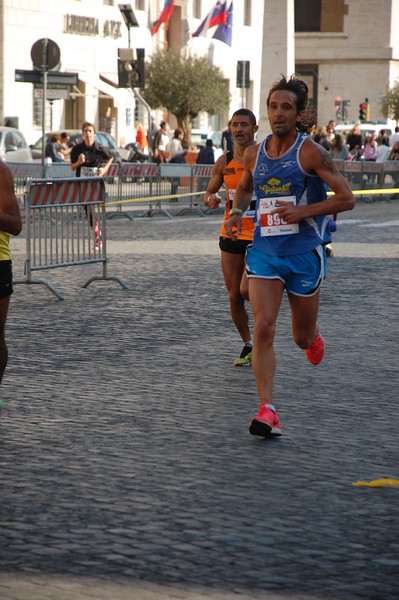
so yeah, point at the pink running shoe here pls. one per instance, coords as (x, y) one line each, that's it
(265, 423)
(315, 352)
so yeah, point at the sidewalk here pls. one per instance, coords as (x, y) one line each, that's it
(126, 467)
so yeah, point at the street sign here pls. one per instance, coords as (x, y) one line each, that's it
(52, 77)
(45, 51)
(52, 93)
(243, 74)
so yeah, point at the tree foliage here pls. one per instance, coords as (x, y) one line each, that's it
(185, 86)
(390, 103)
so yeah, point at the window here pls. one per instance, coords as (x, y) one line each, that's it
(108, 2)
(320, 15)
(307, 15)
(140, 4)
(247, 12)
(17, 140)
(197, 9)
(9, 141)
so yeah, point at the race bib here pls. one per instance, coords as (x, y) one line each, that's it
(250, 212)
(274, 224)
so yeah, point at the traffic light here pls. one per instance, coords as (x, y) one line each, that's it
(362, 112)
(131, 68)
(338, 108)
(345, 105)
(243, 74)
(366, 101)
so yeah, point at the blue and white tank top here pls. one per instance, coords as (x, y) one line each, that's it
(283, 178)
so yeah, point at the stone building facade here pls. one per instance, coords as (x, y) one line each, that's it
(347, 49)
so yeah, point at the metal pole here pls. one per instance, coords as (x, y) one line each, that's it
(44, 69)
(141, 99)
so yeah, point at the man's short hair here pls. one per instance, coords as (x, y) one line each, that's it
(245, 112)
(88, 124)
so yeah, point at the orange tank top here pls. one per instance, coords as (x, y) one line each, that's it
(231, 177)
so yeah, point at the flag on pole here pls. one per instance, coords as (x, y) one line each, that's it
(224, 32)
(164, 16)
(217, 16)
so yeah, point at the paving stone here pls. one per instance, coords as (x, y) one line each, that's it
(126, 465)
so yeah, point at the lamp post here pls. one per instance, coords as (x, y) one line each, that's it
(129, 18)
(131, 21)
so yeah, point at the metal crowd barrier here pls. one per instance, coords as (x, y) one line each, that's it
(179, 187)
(65, 226)
(137, 184)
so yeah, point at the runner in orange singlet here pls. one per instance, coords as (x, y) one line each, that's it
(228, 170)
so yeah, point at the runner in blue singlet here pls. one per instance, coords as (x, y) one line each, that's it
(287, 172)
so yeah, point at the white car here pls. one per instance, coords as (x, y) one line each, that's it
(365, 128)
(13, 146)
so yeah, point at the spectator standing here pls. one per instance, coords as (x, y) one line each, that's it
(394, 155)
(52, 149)
(370, 147)
(382, 133)
(339, 150)
(394, 137)
(176, 154)
(227, 139)
(320, 137)
(175, 147)
(206, 156)
(10, 224)
(141, 137)
(65, 147)
(383, 150)
(161, 141)
(330, 131)
(354, 142)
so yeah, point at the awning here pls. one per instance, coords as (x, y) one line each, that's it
(106, 88)
(76, 93)
(109, 81)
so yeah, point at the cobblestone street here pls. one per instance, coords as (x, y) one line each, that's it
(126, 466)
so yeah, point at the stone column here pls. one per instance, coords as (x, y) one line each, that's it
(278, 52)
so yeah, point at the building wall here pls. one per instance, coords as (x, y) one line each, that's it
(357, 62)
(87, 53)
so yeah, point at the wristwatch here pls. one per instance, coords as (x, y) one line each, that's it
(235, 211)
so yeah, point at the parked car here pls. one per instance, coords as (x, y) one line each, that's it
(102, 137)
(199, 137)
(13, 146)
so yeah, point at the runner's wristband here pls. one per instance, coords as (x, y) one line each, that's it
(235, 211)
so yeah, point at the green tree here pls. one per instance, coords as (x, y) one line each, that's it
(390, 103)
(185, 86)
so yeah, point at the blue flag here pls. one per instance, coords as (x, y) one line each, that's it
(224, 32)
(217, 16)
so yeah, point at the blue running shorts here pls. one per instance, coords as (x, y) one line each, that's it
(301, 274)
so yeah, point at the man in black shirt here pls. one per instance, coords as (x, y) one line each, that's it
(89, 158)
